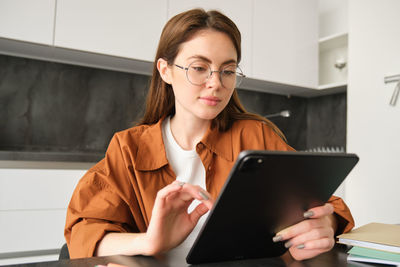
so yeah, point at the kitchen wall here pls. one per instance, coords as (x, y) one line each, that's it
(53, 107)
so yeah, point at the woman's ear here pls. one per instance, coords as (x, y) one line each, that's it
(164, 70)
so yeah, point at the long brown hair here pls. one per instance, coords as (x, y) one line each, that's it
(179, 29)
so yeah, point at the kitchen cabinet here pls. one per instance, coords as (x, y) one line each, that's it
(27, 20)
(121, 28)
(279, 38)
(236, 10)
(285, 42)
(33, 206)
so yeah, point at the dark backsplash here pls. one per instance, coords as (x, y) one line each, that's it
(60, 108)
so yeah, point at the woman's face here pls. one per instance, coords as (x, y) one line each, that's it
(207, 100)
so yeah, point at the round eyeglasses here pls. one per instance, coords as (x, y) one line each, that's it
(198, 73)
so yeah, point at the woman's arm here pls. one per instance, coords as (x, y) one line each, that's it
(122, 243)
(169, 226)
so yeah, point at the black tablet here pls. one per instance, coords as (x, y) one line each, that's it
(265, 192)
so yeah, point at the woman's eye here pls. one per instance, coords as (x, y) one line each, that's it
(228, 72)
(199, 68)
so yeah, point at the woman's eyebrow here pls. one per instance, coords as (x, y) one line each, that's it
(209, 61)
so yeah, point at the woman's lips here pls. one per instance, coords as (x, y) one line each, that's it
(210, 100)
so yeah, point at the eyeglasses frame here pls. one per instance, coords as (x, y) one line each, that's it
(211, 73)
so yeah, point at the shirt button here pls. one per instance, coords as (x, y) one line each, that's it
(199, 145)
(209, 168)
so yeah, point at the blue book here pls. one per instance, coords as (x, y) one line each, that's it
(375, 254)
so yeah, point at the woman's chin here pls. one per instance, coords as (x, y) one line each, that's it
(207, 116)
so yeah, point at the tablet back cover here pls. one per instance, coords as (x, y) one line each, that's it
(265, 192)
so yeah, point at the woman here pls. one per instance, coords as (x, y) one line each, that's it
(136, 200)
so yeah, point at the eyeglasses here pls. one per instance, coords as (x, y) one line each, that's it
(198, 73)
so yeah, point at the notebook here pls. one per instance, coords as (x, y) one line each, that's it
(379, 236)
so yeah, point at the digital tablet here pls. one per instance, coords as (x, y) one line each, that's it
(266, 191)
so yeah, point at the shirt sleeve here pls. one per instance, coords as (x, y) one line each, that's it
(343, 215)
(272, 141)
(100, 205)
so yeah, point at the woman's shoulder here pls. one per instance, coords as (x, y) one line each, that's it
(258, 133)
(251, 126)
(132, 137)
(132, 132)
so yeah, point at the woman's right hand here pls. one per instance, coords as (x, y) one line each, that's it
(170, 222)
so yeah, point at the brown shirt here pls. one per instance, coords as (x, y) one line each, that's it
(118, 193)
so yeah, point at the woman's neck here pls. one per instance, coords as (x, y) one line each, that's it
(187, 132)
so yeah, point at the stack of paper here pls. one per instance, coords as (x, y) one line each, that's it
(374, 242)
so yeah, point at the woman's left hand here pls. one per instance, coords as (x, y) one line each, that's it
(310, 237)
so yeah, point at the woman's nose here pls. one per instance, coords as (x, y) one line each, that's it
(215, 79)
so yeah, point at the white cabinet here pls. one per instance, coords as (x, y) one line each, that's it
(279, 38)
(33, 206)
(122, 28)
(285, 42)
(27, 20)
(237, 10)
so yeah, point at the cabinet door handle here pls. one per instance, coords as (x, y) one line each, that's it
(395, 94)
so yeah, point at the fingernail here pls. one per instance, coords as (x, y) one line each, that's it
(277, 238)
(181, 183)
(308, 214)
(301, 246)
(203, 195)
(288, 244)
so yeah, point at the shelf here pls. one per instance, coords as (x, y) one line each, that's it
(332, 85)
(333, 41)
(332, 53)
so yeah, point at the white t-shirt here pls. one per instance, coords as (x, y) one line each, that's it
(188, 168)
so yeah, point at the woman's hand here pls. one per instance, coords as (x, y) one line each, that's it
(310, 237)
(170, 222)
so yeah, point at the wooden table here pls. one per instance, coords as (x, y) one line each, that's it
(334, 258)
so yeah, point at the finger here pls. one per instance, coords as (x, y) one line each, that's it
(198, 193)
(199, 211)
(167, 191)
(314, 234)
(180, 183)
(324, 244)
(319, 211)
(298, 229)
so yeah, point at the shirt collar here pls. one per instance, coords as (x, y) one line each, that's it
(219, 142)
(151, 153)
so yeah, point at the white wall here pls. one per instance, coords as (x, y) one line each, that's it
(373, 127)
